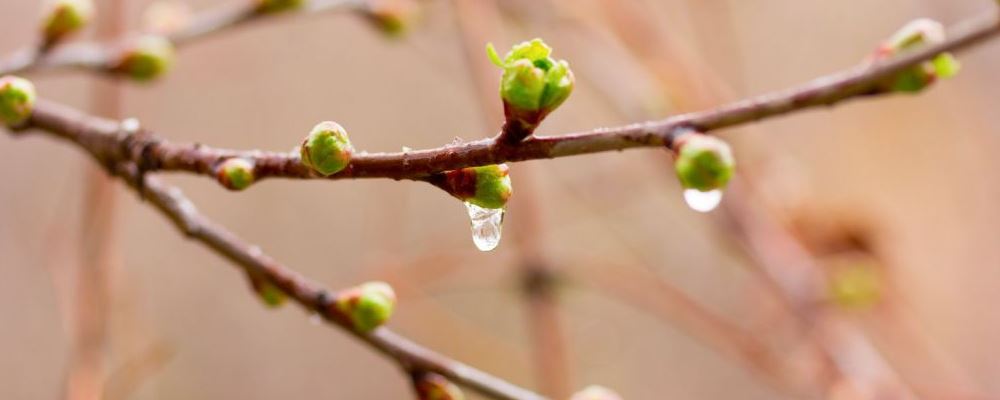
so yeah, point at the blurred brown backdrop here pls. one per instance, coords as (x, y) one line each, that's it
(915, 173)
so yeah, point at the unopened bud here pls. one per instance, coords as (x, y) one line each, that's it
(268, 293)
(912, 36)
(703, 162)
(327, 150)
(17, 100)
(272, 6)
(856, 286)
(431, 386)
(146, 58)
(488, 186)
(367, 306)
(64, 17)
(392, 17)
(236, 173)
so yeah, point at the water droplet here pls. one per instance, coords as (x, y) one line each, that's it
(702, 201)
(486, 226)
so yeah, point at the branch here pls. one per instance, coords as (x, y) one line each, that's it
(233, 15)
(100, 56)
(311, 296)
(861, 81)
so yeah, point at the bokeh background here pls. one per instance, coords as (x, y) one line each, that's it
(900, 188)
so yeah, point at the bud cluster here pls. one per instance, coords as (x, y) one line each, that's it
(533, 84)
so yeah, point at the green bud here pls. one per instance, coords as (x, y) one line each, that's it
(533, 83)
(856, 286)
(271, 6)
(703, 162)
(64, 17)
(391, 17)
(17, 100)
(431, 386)
(595, 392)
(236, 173)
(327, 149)
(946, 65)
(910, 37)
(487, 186)
(146, 58)
(367, 306)
(271, 295)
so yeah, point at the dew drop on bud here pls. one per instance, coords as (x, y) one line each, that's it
(702, 201)
(486, 226)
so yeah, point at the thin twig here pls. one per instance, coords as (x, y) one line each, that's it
(859, 81)
(100, 56)
(310, 295)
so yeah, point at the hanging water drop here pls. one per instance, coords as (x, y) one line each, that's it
(702, 201)
(486, 226)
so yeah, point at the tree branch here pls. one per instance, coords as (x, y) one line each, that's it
(863, 80)
(99, 56)
(311, 296)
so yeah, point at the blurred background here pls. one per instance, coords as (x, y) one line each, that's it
(856, 257)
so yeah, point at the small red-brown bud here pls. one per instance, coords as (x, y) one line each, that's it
(271, 295)
(391, 17)
(487, 186)
(235, 173)
(65, 17)
(431, 386)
